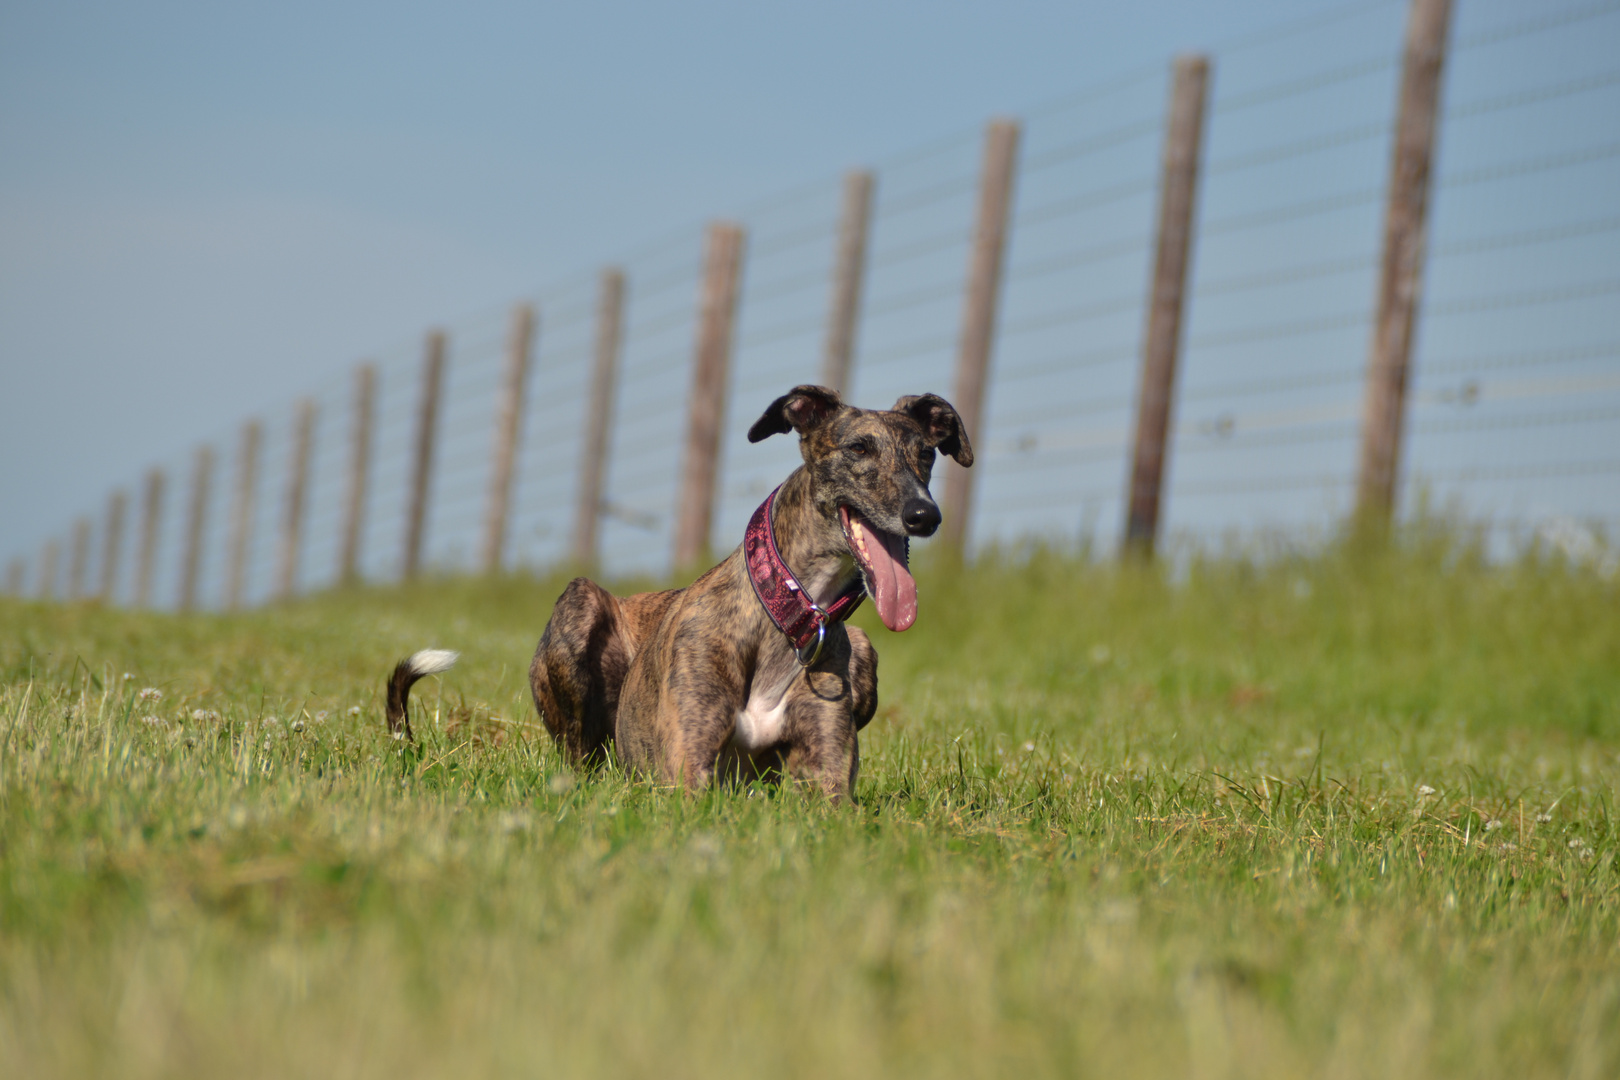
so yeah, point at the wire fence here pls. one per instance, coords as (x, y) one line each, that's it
(1514, 409)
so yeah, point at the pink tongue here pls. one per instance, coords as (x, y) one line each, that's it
(894, 589)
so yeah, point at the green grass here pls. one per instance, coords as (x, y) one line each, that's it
(1300, 816)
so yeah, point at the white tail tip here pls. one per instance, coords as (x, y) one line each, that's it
(432, 661)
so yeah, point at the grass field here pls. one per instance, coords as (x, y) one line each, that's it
(1324, 815)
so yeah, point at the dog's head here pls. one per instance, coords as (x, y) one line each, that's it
(871, 470)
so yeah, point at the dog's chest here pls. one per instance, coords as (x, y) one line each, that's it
(762, 721)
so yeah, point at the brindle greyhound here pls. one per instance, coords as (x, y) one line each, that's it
(750, 670)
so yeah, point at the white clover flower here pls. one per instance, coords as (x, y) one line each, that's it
(1492, 825)
(298, 725)
(1543, 817)
(320, 717)
(271, 721)
(1424, 791)
(354, 710)
(151, 693)
(153, 722)
(1029, 748)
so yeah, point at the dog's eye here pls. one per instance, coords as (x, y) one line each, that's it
(859, 448)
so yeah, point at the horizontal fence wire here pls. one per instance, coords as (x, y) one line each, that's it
(1514, 402)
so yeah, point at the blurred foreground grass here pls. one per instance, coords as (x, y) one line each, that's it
(1307, 816)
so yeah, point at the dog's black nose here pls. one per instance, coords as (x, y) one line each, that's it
(921, 517)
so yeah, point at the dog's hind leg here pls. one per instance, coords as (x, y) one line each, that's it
(579, 668)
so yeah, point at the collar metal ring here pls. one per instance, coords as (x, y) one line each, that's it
(815, 651)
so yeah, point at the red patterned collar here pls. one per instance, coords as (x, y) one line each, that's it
(790, 607)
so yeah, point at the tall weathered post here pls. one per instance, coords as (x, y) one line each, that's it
(599, 421)
(849, 274)
(112, 547)
(354, 512)
(79, 560)
(979, 309)
(196, 521)
(711, 362)
(427, 425)
(292, 520)
(48, 557)
(1400, 278)
(151, 524)
(242, 503)
(508, 435)
(1167, 305)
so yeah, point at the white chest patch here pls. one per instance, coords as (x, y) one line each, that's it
(762, 721)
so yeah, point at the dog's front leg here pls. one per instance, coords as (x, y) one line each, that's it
(824, 751)
(702, 692)
(823, 742)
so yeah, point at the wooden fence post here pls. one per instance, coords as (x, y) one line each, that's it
(247, 483)
(849, 272)
(354, 514)
(1400, 281)
(711, 361)
(508, 434)
(979, 308)
(599, 422)
(196, 519)
(15, 570)
(112, 545)
(48, 556)
(292, 522)
(79, 561)
(1161, 349)
(151, 526)
(427, 422)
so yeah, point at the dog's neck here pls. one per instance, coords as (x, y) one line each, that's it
(810, 539)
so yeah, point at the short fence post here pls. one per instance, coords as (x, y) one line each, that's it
(1178, 197)
(112, 544)
(979, 308)
(48, 556)
(247, 482)
(292, 522)
(196, 520)
(354, 514)
(15, 571)
(599, 422)
(1400, 280)
(79, 561)
(711, 361)
(151, 525)
(427, 422)
(849, 272)
(508, 433)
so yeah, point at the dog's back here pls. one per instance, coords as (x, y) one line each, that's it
(583, 656)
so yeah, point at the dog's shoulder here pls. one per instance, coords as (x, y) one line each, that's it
(642, 612)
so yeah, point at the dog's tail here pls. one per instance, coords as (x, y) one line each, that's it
(416, 666)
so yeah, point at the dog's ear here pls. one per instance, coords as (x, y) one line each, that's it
(941, 426)
(800, 409)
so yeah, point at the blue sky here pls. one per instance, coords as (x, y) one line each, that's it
(205, 208)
